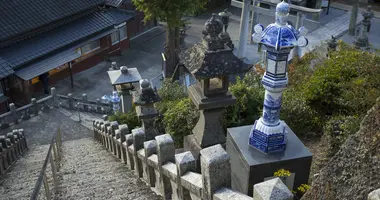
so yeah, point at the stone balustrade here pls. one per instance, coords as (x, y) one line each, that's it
(15, 115)
(83, 104)
(12, 146)
(173, 175)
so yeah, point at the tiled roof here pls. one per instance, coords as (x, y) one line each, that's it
(5, 69)
(47, 64)
(114, 3)
(38, 46)
(18, 16)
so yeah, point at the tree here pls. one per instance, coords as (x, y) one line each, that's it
(171, 12)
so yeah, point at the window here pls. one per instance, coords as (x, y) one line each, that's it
(91, 46)
(123, 32)
(115, 37)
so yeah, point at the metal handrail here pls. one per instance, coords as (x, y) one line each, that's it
(54, 160)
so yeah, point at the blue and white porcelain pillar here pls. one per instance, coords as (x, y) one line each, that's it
(268, 134)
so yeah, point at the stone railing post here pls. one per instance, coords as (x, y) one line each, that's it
(270, 189)
(374, 195)
(165, 153)
(128, 142)
(70, 100)
(35, 106)
(10, 147)
(5, 152)
(98, 106)
(53, 97)
(105, 127)
(150, 148)
(13, 141)
(185, 162)
(111, 135)
(138, 143)
(120, 138)
(12, 107)
(85, 100)
(216, 170)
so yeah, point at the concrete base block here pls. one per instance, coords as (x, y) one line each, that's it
(249, 166)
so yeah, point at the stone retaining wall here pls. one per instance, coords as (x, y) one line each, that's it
(173, 175)
(12, 146)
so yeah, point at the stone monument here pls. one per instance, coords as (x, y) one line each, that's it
(144, 100)
(210, 62)
(269, 145)
(123, 80)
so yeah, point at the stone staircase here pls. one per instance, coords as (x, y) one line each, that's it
(89, 172)
(19, 181)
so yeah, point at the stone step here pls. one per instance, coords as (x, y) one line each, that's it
(21, 178)
(90, 172)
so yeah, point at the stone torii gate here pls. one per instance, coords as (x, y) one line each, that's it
(247, 7)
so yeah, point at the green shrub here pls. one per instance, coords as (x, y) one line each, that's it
(338, 129)
(299, 116)
(129, 118)
(180, 119)
(249, 101)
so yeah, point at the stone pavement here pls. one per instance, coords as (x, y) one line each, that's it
(337, 28)
(89, 172)
(40, 129)
(19, 182)
(373, 35)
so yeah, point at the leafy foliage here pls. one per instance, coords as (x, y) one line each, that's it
(180, 119)
(338, 129)
(169, 11)
(249, 101)
(129, 118)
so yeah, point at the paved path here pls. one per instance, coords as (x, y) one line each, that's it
(21, 178)
(88, 171)
(40, 129)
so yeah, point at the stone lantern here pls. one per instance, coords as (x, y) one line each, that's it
(259, 150)
(268, 133)
(361, 40)
(211, 62)
(144, 100)
(123, 80)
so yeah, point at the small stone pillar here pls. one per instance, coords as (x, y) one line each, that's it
(150, 148)
(85, 100)
(138, 143)
(70, 100)
(123, 80)
(272, 189)
(185, 162)
(354, 16)
(12, 107)
(244, 23)
(144, 100)
(53, 97)
(211, 63)
(165, 153)
(35, 106)
(216, 170)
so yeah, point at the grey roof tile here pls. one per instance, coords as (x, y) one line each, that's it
(5, 69)
(17, 17)
(40, 45)
(114, 3)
